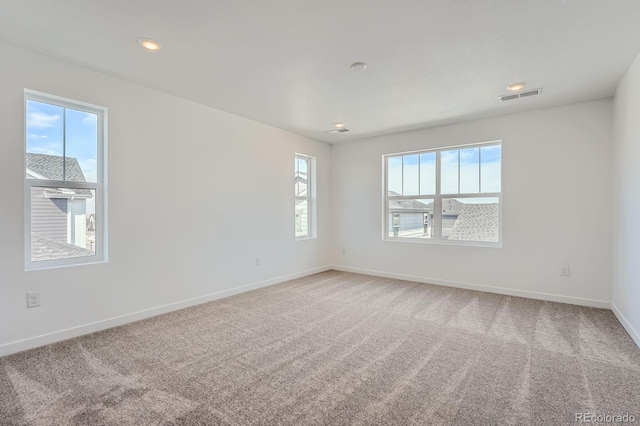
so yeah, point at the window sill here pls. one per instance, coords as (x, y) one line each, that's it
(39, 266)
(444, 242)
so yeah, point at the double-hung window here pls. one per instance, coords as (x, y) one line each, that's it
(64, 182)
(304, 193)
(448, 195)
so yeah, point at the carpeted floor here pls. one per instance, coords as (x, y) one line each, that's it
(335, 349)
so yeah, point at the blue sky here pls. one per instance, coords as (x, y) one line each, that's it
(44, 134)
(405, 179)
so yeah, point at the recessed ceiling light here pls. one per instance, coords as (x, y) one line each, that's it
(338, 125)
(358, 66)
(150, 44)
(516, 86)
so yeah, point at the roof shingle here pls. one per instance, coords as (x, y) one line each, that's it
(45, 249)
(477, 222)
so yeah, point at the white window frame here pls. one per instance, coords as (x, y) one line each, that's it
(100, 186)
(438, 197)
(310, 197)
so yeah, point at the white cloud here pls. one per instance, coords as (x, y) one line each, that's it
(90, 119)
(41, 120)
(89, 168)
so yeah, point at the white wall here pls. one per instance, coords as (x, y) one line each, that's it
(181, 175)
(556, 207)
(626, 206)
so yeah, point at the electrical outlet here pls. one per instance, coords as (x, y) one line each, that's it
(564, 270)
(259, 261)
(33, 299)
(344, 250)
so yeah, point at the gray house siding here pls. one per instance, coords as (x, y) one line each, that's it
(48, 216)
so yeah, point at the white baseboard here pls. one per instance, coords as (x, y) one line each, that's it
(499, 290)
(626, 324)
(69, 333)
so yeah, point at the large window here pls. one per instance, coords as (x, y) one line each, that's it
(64, 185)
(304, 192)
(449, 195)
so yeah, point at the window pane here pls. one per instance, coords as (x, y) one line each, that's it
(301, 177)
(296, 174)
(449, 172)
(469, 171)
(394, 175)
(302, 218)
(410, 175)
(490, 168)
(411, 218)
(303, 165)
(62, 223)
(301, 184)
(471, 219)
(44, 140)
(81, 145)
(428, 174)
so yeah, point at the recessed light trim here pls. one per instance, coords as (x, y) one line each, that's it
(338, 125)
(358, 66)
(150, 44)
(516, 86)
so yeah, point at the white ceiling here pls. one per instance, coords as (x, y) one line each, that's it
(286, 62)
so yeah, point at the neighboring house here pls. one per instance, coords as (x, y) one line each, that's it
(460, 221)
(91, 222)
(58, 216)
(450, 211)
(411, 216)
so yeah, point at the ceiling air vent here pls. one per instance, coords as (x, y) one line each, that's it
(530, 93)
(332, 131)
(509, 97)
(521, 94)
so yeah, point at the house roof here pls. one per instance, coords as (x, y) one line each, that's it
(410, 205)
(50, 167)
(477, 222)
(449, 206)
(46, 249)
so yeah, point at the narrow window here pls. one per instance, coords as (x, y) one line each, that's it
(64, 185)
(304, 192)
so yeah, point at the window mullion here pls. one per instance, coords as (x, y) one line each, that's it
(419, 192)
(44, 183)
(458, 171)
(480, 169)
(437, 202)
(64, 144)
(402, 180)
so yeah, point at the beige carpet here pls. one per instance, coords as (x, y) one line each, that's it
(335, 349)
